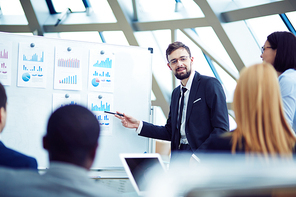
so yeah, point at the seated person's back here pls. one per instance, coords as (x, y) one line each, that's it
(71, 141)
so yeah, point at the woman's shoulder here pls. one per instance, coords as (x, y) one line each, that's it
(288, 76)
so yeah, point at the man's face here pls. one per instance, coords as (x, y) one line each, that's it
(3, 115)
(180, 63)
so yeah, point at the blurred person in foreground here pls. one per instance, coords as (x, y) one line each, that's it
(71, 141)
(261, 124)
(9, 157)
(280, 50)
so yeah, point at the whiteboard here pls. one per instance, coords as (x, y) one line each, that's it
(29, 108)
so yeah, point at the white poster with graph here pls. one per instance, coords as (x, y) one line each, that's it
(99, 103)
(67, 69)
(5, 61)
(60, 100)
(32, 65)
(101, 71)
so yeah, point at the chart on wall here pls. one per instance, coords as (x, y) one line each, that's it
(68, 68)
(101, 71)
(98, 103)
(5, 61)
(32, 70)
(60, 100)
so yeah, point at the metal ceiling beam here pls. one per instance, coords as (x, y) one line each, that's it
(259, 11)
(126, 26)
(135, 9)
(206, 49)
(82, 27)
(15, 28)
(123, 22)
(214, 22)
(160, 100)
(33, 23)
(170, 24)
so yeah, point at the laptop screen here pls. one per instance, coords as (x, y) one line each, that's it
(138, 168)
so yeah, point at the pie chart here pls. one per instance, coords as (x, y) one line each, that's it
(26, 77)
(95, 82)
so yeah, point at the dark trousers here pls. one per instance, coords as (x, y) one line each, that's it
(183, 154)
(185, 147)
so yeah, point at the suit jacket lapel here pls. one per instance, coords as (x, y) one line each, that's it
(175, 106)
(174, 114)
(192, 96)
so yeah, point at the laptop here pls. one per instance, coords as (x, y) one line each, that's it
(140, 168)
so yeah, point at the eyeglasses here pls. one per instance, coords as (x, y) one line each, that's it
(175, 61)
(263, 49)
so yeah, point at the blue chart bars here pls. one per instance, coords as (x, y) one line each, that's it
(101, 108)
(33, 69)
(34, 58)
(104, 121)
(104, 64)
(99, 117)
(103, 74)
(69, 80)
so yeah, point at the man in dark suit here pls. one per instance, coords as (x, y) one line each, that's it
(204, 112)
(9, 157)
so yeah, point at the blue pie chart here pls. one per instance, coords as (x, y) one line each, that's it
(26, 77)
(94, 82)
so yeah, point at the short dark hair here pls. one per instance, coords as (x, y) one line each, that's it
(285, 44)
(174, 46)
(72, 133)
(3, 97)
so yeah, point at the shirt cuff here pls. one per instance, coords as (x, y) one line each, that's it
(139, 129)
(195, 157)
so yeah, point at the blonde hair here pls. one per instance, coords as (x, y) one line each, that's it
(259, 113)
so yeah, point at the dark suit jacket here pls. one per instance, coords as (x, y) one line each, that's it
(223, 144)
(206, 115)
(14, 159)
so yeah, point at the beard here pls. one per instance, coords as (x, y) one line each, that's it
(183, 76)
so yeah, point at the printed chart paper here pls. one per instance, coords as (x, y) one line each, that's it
(32, 65)
(98, 103)
(101, 71)
(5, 61)
(68, 71)
(60, 100)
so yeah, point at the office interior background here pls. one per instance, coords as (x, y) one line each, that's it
(224, 35)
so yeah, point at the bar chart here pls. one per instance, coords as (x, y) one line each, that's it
(32, 69)
(34, 57)
(99, 117)
(70, 103)
(3, 65)
(103, 74)
(4, 54)
(104, 63)
(102, 107)
(69, 80)
(69, 63)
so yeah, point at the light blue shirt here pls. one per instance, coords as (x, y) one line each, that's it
(287, 81)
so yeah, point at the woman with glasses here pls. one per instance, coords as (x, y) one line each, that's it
(280, 51)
